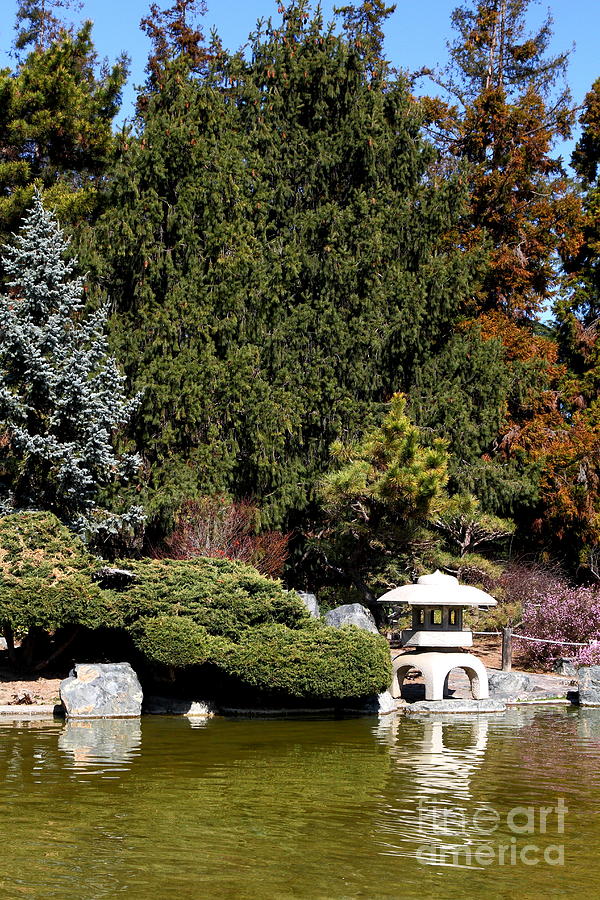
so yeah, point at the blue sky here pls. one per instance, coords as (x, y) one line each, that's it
(416, 33)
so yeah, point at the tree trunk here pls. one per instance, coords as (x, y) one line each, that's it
(9, 637)
(59, 650)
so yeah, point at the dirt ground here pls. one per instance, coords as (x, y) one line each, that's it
(489, 651)
(15, 689)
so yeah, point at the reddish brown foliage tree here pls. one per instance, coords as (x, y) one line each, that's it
(218, 528)
(549, 422)
(502, 117)
(175, 31)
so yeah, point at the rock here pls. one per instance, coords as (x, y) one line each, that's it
(114, 579)
(41, 710)
(589, 685)
(173, 706)
(378, 705)
(510, 684)
(453, 706)
(565, 666)
(2, 643)
(101, 690)
(310, 602)
(352, 614)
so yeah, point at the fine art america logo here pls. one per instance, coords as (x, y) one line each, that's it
(525, 835)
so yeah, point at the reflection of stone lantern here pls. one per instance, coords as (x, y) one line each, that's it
(437, 604)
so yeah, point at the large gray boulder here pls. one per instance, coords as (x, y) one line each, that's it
(510, 684)
(352, 614)
(589, 685)
(310, 602)
(101, 690)
(565, 666)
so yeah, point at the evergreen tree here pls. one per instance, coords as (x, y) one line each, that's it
(280, 262)
(174, 32)
(467, 529)
(578, 310)
(363, 26)
(504, 110)
(573, 470)
(62, 396)
(178, 255)
(465, 395)
(38, 25)
(56, 116)
(356, 234)
(385, 489)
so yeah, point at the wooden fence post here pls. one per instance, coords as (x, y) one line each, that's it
(507, 648)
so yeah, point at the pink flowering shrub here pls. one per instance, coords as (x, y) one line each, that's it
(561, 613)
(590, 655)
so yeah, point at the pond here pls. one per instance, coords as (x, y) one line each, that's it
(248, 808)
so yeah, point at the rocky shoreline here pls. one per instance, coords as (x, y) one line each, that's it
(506, 689)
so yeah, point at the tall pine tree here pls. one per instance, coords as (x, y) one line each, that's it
(56, 118)
(502, 111)
(280, 261)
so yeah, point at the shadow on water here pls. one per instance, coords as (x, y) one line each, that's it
(364, 808)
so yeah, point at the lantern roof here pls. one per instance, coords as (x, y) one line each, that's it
(438, 589)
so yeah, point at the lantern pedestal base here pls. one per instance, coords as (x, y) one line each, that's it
(435, 666)
(429, 707)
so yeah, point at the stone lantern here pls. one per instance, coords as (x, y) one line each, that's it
(437, 603)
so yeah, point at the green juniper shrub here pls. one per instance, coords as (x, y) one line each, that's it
(46, 577)
(316, 662)
(182, 614)
(177, 641)
(185, 613)
(219, 594)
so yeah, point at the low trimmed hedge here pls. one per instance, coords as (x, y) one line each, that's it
(46, 577)
(177, 641)
(317, 662)
(184, 613)
(223, 596)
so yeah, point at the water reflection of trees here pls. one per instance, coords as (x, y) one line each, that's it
(262, 808)
(233, 803)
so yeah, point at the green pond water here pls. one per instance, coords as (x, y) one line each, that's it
(396, 807)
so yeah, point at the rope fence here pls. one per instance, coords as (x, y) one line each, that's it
(526, 637)
(507, 635)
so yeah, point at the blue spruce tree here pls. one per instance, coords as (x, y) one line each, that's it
(62, 398)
